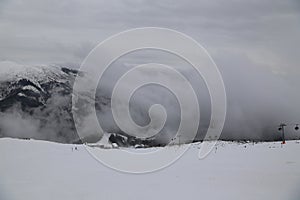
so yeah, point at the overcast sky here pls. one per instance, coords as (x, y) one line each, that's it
(264, 33)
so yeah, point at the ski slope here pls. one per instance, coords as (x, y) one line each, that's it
(38, 170)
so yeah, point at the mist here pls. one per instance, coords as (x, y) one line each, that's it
(258, 99)
(254, 44)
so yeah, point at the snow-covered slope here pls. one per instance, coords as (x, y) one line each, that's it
(42, 170)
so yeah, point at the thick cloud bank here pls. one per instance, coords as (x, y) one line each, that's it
(40, 107)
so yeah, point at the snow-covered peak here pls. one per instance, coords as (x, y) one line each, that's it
(36, 73)
(35, 76)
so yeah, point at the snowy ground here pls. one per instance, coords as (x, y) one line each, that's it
(36, 170)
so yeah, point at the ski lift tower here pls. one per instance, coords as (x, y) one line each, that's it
(281, 128)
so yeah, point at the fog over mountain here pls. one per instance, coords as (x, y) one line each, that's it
(36, 102)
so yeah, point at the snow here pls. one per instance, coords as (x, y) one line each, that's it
(32, 169)
(11, 71)
(21, 95)
(30, 87)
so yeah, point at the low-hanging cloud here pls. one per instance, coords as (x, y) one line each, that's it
(258, 101)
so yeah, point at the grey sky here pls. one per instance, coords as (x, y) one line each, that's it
(266, 32)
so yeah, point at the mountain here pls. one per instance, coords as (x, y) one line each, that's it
(36, 102)
(40, 96)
